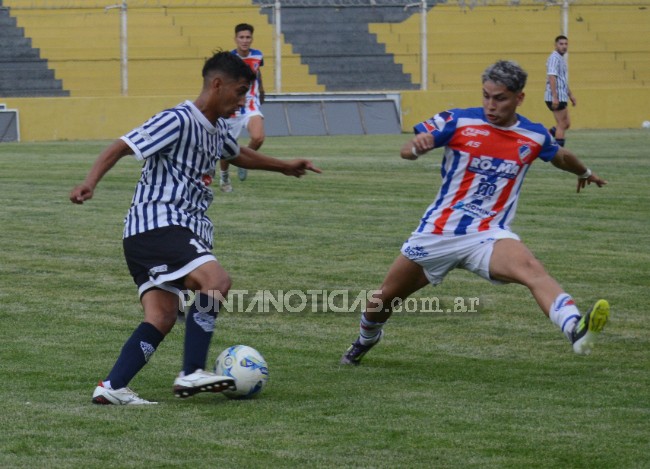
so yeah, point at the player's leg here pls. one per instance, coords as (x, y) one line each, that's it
(562, 124)
(210, 284)
(256, 132)
(512, 261)
(224, 176)
(404, 278)
(255, 127)
(160, 309)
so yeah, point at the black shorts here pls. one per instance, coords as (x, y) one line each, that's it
(161, 258)
(561, 105)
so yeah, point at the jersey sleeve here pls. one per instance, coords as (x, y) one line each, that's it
(552, 65)
(549, 148)
(158, 133)
(230, 144)
(442, 126)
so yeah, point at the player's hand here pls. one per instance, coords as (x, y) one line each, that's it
(81, 193)
(299, 168)
(582, 183)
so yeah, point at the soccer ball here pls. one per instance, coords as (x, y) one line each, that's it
(247, 367)
(645, 124)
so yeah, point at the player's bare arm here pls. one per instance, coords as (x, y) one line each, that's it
(566, 160)
(105, 161)
(418, 145)
(552, 79)
(251, 159)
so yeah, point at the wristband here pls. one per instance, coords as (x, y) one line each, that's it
(586, 174)
(415, 152)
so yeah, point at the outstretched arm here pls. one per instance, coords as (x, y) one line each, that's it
(251, 159)
(568, 161)
(105, 161)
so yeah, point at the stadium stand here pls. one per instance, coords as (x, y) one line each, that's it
(340, 50)
(462, 42)
(22, 71)
(170, 44)
(345, 49)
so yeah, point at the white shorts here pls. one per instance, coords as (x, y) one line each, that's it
(438, 255)
(240, 122)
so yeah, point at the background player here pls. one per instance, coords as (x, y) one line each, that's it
(167, 234)
(557, 93)
(488, 152)
(248, 116)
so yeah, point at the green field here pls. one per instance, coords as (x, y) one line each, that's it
(499, 387)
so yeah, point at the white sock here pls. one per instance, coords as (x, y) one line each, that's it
(564, 314)
(369, 331)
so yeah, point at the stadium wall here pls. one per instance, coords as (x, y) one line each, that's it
(67, 118)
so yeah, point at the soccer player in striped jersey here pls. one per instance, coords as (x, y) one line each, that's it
(167, 234)
(557, 93)
(488, 152)
(249, 116)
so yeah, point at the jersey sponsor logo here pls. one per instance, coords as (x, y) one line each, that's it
(430, 125)
(206, 179)
(474, 132)
(146, 136)
(442, 118)
(159, 269)
(415, 252)
(485, 190)
(493, 167)
(474, 210)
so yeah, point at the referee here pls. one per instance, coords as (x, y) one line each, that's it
(167, 235)
(557, 93)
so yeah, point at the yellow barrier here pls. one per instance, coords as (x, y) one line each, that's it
(44, 119)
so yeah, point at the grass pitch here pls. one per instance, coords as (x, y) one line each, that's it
(498, 387)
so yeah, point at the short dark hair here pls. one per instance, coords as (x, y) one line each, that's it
(230, 64)
(244, 27)
(506, 73)
(560, 37)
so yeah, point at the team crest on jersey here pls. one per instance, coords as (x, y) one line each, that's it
(524, 152)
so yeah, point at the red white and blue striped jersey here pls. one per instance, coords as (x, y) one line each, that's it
(483, 168)
(255, 60)
(181, 150)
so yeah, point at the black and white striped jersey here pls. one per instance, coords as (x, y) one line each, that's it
(180, 149)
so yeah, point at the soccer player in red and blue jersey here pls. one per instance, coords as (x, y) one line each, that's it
(488, 152)
(249, 116)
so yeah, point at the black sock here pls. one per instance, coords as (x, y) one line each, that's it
(135, 354)
(199, 327)
(560, 141)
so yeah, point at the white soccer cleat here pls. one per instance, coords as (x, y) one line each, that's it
(201, 381)
(225, 185)
(122, 396)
